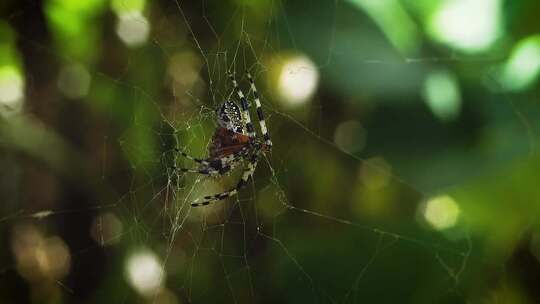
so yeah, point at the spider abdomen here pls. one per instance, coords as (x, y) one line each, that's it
(225, 142)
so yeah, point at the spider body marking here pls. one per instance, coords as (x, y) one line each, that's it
(234, 143)
(225, 142)
(230, 117)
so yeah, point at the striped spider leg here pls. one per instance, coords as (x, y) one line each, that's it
(260, 113)
(213, 167)
(246, 175)
(246, 117)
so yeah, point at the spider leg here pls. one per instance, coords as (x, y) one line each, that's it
(197, 160)
(244, 107)
(205, 170)
(246, 175)
(217, 166)
(260, 114)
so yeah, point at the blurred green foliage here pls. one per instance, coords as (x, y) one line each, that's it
(415, 100)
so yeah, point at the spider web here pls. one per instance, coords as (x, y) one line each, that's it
(230, 236)
(294, 231)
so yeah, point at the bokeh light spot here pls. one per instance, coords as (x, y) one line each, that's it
(145, 272)
(441, 212)
(297, 81)
(184, 69)
(468, 25)
(375, 173)
(39, 257)
(11, 89)
(133, 28)
(350, 136)
(74, 81)
(523, 67)
(106, 229)
(442, 95)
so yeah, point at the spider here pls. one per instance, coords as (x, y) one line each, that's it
(234, 142)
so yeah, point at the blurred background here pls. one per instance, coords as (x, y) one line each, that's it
(404, 169)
